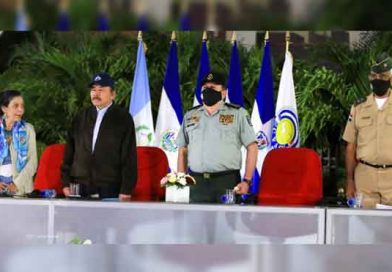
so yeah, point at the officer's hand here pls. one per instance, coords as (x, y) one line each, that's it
(241, 188)
(124, 198)
(350, 188)
(3, 186)
(66, 191)
(12, 188)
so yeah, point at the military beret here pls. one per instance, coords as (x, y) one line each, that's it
(214, 77)
(383, 63)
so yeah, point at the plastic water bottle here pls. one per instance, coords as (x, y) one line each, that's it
(48, 193)
(355, 202)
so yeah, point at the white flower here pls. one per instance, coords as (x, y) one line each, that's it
(182, 181)
(172, 178)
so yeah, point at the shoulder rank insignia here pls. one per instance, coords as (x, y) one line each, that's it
(231, 105)
(359, 101)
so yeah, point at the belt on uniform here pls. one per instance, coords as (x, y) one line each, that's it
(376, 165)
(215, 174)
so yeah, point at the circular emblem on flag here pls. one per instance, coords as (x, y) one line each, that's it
(144, 135)
(285, 132)
(262, 140)
(168, 140)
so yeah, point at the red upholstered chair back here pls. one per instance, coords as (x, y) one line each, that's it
(49, 174)
(291, 176)
(152, 166)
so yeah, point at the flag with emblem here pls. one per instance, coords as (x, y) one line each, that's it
(263, 113)
(204, 69)
(21, 23)
(285, 132)
(140, 104)
(234, 83)
(170, 115)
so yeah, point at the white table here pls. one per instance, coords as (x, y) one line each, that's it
(59, 221)
(358, 226)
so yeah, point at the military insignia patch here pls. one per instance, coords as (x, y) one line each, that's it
(226, 119)
(193, 119)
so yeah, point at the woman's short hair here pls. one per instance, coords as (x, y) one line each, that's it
(6, 97)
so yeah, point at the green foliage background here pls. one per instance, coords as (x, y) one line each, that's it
(53, 70)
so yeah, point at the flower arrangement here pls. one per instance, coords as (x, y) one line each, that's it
(177, 179)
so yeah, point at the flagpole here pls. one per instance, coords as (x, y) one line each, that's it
(234, 37)
(205, 37)
(64, 5)
(173, 36)
(288, 41)
(20, 4)
(266, 37)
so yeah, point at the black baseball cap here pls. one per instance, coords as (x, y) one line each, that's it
(102, 79)
(214, 77)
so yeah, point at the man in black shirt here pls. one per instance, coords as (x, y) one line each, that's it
(100, 154)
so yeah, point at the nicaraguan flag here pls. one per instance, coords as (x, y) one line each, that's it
(263, 113)
(234, 83)
(204, 69)
(170, 115)
(140, 104)
(286, 127)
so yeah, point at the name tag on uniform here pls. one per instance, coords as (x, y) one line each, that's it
(226, 119)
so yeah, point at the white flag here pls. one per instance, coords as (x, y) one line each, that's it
(286, 128)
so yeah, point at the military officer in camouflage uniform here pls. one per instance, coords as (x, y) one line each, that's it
(210, 142)
(368, 135)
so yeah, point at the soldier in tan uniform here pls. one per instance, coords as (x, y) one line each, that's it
(210, 142)
(368, 135)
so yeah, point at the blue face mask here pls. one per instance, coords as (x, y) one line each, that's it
(211, 97)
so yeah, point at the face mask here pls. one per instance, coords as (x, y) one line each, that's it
(211, 97)
(380, 87)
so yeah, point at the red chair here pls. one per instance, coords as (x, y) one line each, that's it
(152, 166)
(291, 176)
(48, 173)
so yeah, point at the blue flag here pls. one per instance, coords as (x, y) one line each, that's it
(263, 114)
(140, 104)
(170, 114)
(63, 23)
(21, 22)
(185, 22)
(234, 83)
(142, 23)
(103, 24)
(204, 69)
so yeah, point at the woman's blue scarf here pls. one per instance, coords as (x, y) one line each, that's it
(19, 139)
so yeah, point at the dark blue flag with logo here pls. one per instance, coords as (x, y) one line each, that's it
(263, 114)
